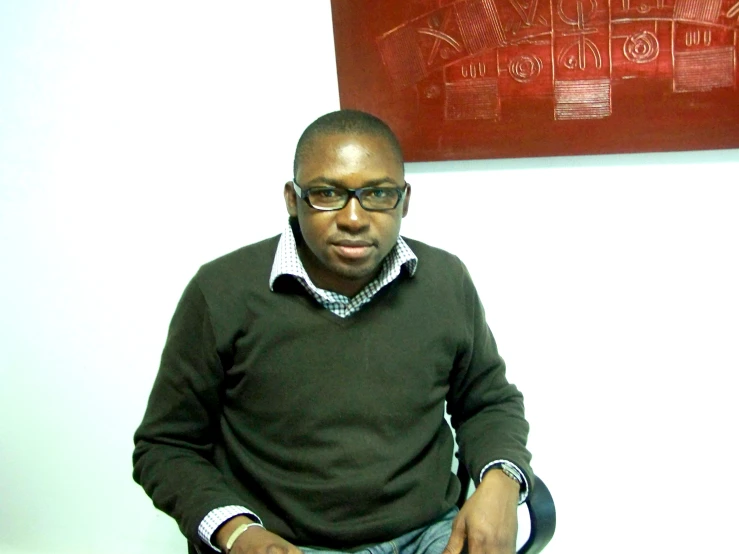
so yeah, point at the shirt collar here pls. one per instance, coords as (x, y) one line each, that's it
(287, 262)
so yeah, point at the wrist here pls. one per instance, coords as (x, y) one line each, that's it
(496, 477)
(227, 531)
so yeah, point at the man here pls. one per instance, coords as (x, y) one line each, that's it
(300, 400)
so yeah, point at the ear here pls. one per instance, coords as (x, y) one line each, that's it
(407, 199)
(291, 199)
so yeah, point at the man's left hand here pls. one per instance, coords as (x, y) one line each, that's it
(488, 521)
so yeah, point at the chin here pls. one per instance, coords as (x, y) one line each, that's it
(355, 273)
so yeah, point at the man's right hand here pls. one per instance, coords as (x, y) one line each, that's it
(255, 540)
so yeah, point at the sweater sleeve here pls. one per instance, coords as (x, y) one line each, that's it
(487, 411)
(174, 443)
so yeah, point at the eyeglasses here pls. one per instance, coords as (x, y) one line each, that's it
(372, 199)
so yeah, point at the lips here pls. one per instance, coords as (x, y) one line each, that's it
(353, 249)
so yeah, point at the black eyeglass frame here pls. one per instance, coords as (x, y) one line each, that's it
(351, 193)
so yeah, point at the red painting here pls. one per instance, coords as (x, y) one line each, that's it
(464, 79)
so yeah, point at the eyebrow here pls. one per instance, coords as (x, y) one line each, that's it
(340, 184)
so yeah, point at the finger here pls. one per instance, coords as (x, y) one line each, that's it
(456, 539)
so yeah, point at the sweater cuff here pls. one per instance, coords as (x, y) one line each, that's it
(514, 472)
(217, 517)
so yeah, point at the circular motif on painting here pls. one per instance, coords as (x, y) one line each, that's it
(641, 47)
(525, 68)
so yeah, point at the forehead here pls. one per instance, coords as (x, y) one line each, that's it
(334, 154)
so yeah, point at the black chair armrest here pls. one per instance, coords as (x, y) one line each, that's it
(543, 518)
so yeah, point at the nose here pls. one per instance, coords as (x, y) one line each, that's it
(352, 217)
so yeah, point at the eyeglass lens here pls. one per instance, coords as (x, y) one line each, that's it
(371, 198)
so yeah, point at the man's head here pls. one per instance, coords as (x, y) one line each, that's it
(343, 249)
(345, 122)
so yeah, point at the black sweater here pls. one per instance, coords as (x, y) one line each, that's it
(331, 430)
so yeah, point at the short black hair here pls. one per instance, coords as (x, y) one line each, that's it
(352, 122)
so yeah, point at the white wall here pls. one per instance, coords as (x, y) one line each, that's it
(140, 139)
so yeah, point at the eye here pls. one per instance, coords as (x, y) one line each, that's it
(324, 193)
(379, 194)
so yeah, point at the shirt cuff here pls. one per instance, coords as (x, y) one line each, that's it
(514, 472)
(217, 517)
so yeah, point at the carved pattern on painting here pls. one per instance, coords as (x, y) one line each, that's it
(474, 55)
(641, 47)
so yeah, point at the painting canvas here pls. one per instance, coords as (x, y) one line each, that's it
(465, 79)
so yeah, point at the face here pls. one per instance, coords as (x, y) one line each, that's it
(344, 249)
